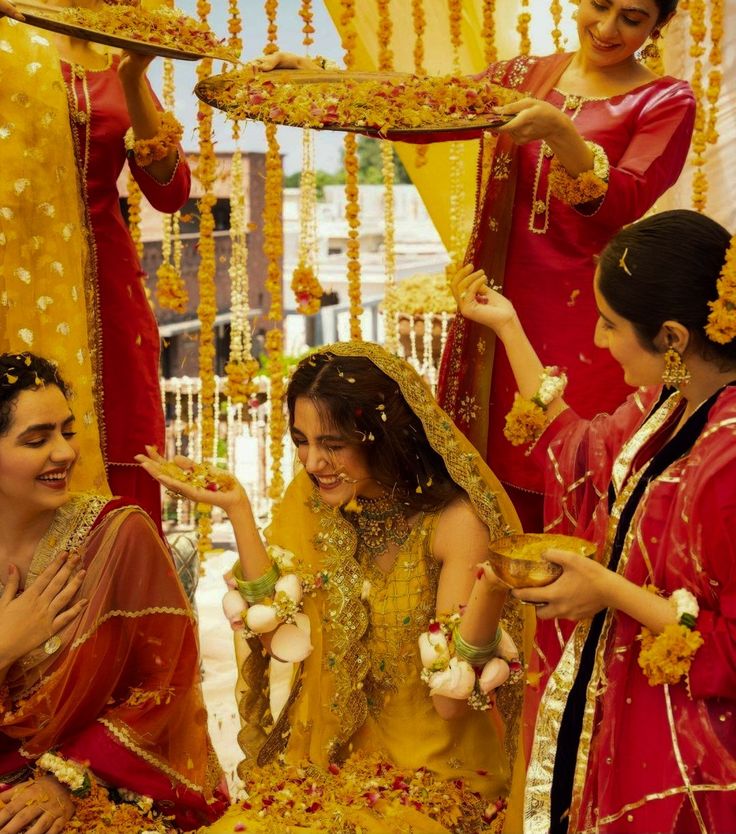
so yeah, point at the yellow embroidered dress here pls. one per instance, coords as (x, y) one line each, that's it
(358, 745)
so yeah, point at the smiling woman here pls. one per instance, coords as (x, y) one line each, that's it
(68, 720)
(366, 542)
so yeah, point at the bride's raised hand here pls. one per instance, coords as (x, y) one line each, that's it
(478, 302)
(183, 477)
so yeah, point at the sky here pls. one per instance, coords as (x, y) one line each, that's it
(327, 42)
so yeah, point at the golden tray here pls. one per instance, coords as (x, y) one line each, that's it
(233, 93)
(51, 18)
(518, 560)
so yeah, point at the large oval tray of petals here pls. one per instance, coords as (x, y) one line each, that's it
(379, 104)
(164, 32)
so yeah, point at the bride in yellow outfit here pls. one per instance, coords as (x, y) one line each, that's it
(370, 583)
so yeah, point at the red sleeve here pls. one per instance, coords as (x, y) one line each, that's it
(654, 158)
(713, 670)
(165, 197)
(117, 766)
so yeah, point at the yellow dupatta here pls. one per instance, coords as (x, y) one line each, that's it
(43, 289)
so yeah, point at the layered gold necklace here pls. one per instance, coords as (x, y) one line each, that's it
(381, 522)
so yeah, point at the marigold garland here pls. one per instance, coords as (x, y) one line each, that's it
(522, 27)
(488, 32)
(556, 12)
(386, 64)
(273, 31)
(306, 13)
(96, 813)
(419, 20)
(171, 292)
(699, 140)
(352, 205)
(207, 308)
(234, 27)
(348, 31)
(241, 368)
(721, 325)
(715, 75)
(135, 196)
(352, 215)
(304, 282)
(666, 657)
(273, 249)
(385, 32)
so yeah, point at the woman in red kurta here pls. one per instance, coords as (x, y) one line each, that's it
(540, 250)
(116, 690)
(106, 95)
(624, 742)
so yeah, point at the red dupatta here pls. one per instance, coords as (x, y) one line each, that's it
(464, 387)
(122, 694)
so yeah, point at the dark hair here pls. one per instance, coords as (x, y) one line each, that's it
(666, 8)
(356, 398)
(665, 268)
(24, 372)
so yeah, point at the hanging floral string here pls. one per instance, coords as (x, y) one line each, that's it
(241, 368)
(455, 9)
(419, 19)
(386, 64)
(134, 214)
(522, 27)
(304, 281)
(273, 247)
(272, 35)
(207, 308)
(699, 141)
(171, 292)
(352, 206)
(715, 75)
(556, 12)
(488, 31)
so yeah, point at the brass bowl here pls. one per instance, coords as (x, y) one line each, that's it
(518, 560)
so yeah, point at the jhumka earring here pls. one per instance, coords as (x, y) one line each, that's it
(675, 372)
(651, 54)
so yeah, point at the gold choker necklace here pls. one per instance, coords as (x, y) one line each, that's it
(380, 522)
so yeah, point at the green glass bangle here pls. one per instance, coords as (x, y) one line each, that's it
(476, 655)
(256, 589)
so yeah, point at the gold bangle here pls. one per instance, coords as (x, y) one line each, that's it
(588, 186)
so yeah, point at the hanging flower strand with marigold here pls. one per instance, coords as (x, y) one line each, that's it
(207, 308)
(715, 74)
(352, 205)
(386, 64)
(171, 291)
(273, 249)
(305, 284)
(555, 9)
(419, 20)
(699, 140)
(488, 31)
(522, 27)
(457, 236)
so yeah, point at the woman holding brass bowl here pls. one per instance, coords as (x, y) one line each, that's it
(650, 670)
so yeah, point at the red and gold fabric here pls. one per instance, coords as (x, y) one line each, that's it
(650, 758)
(122, 694)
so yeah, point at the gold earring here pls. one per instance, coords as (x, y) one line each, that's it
(675, 372)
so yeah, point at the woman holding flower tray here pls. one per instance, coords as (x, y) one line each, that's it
(636, 730)
(399, 639)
